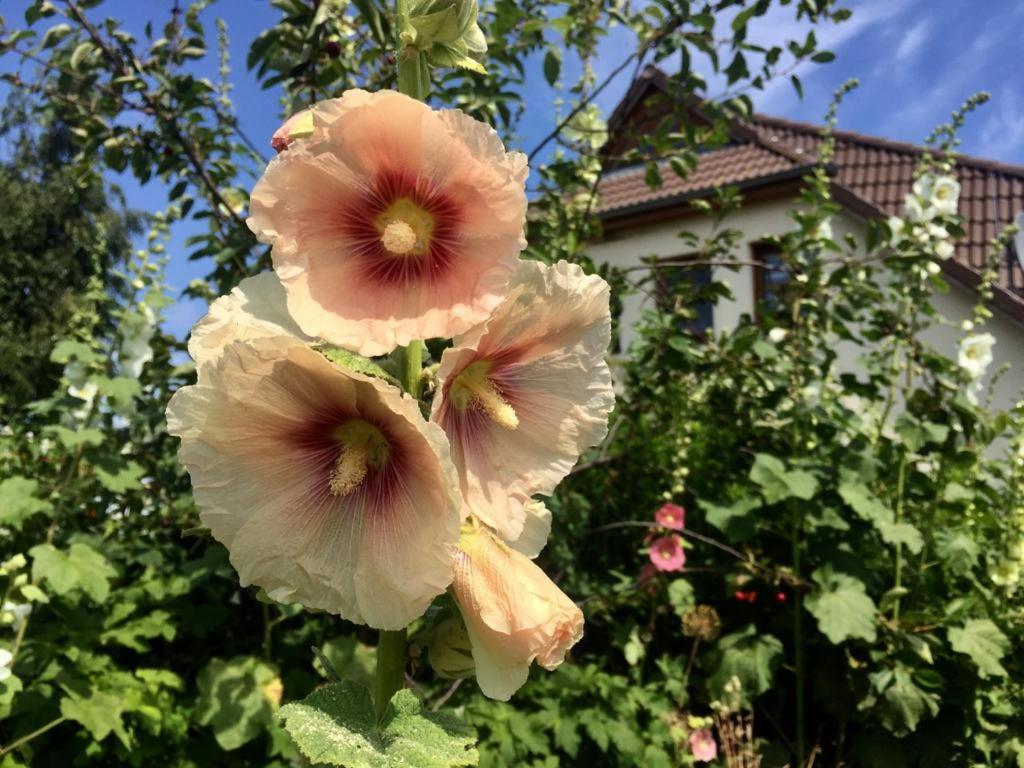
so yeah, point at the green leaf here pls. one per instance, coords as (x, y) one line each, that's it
(353, 362)
(76, 438)
(118, 475)
(681, 596)
(552, 64)
(735, 520)
(749, 655)
(634, 648)
(121, 390)
(18, 501)
(81, 568)
(958, 551)
(134, 634)
(777, 483)
(842, 607)
(336, 725)
(82, 50)
(234, 701)
(870, 508)
(66, 350)
(350, 659)
(99, 713)
(917, 434)
(902, 704)
(982, 640)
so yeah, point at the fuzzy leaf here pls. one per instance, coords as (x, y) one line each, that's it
(233, 700)
(751, 656)
(99, 713)
(842, 607)
(870, 508)
(734, 520)
(984, 643)
(778, 483)
(336, 725)
(82, 567)
(118, 475)
(18, 501)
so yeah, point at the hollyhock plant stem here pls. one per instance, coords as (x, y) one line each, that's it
(390, 669)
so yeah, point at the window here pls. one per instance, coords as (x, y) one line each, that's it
(770, 281)
(679, 284)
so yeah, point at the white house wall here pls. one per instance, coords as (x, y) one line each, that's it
(629, 248)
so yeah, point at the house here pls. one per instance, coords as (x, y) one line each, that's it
(766, 158)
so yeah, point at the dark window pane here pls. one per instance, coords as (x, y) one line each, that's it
(685, 286)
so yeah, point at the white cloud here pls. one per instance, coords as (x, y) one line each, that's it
(912, 41)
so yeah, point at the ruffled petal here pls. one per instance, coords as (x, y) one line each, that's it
(258, 436)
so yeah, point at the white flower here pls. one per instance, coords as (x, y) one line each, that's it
(778, 335)
(976, 353)
(897, 228)
(135, 350)
(1005, 574)
(944, 249)
(933, 268)
(5, 664)
(967, 325)
(916, 210)
(823, 231)
(15, 613)
(940, 192)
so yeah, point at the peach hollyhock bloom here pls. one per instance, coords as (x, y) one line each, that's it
(671, 516)
(536, 529)
(255, 309)
(703, 746)
(392, 222)
(522, 395)
(327, 487)
(298, 126)
(667, 554)
(514, 613)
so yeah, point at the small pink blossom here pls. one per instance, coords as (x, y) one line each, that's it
(667, 554)
(671, 516)
(703, 746)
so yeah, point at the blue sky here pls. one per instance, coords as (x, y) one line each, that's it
(916, 60)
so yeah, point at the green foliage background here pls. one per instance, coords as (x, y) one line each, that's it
(865, 511)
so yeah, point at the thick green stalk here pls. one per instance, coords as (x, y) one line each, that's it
(412, 368)
(390, 669)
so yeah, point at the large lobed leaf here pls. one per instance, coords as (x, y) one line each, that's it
(336, 725)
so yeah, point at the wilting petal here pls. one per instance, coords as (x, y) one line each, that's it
(514, 613)
(392, 222)
(525, 393)
(255, 309)
(327, 487)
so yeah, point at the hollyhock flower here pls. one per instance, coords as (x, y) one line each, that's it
(942, 193)
(255, 309)
(670, 516)
(514, 613)
(703, 746)
(392, 222)
(327, 486)
(667, 554)
(536, 529)
(5, 664)
(522, 395)
(975, 354)
(15, 614)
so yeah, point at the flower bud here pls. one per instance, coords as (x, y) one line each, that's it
(450, 652)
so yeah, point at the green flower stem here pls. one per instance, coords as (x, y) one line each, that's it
(411, 368)
(390, 669)
(28, 737)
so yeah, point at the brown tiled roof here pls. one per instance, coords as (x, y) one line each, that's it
(875, 171)
(627, 187)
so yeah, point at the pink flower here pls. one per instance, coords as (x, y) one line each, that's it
(703, 746)
(392, 221)
(522, 395)
(667, 554)
(671, 516)
(327, 487)
(514, 613)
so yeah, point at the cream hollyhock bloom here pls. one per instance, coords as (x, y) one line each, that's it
(941, 193)
(536, 530)
(255, 309)
(5, 664)
(522, 395)
(514, 613)
(327, 487)
(976, 354)
(392, 221)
